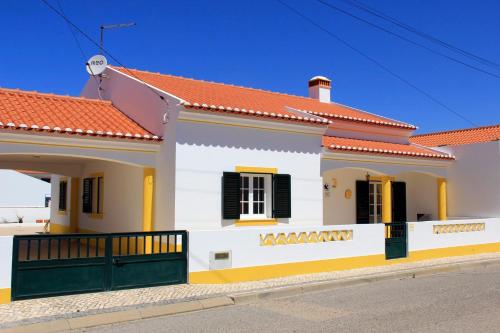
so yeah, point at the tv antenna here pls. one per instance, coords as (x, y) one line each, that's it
(112, 26)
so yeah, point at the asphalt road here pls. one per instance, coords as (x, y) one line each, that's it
(467, 301)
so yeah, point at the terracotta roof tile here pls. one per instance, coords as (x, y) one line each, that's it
(384, 148)
(249, 101)
(458, 137)
(23, 110)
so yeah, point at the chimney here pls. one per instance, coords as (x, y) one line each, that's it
(319, 88)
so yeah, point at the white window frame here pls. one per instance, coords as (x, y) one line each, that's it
(375, 188)
(267, 196)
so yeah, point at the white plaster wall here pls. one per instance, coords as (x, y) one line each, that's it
(123, 198)
(6, 260)
(421, 195)
(244, 244)
(132, 97)
(421, 236)
(474, 180)
(205, 151)
(20, 190)
(337, 209)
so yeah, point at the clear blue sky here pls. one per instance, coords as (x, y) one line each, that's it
(261, 44)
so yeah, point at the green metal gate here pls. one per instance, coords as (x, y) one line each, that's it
(50, 265)
(395, 240)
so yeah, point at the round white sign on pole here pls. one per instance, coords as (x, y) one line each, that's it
(96, 65)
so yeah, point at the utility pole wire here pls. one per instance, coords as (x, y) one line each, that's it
(84, 56)
(383, 67)
(456, 49)
(97, 45)
(330, 6)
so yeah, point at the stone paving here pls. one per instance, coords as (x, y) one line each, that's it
(37, 310)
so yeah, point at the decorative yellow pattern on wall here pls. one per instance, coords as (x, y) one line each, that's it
(455, 228)
(305, 237)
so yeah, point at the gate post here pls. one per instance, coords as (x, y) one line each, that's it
(108, 253)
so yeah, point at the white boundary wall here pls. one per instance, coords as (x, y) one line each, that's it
(29, 214)
(246, 250)
(422, 237)
(6, 260)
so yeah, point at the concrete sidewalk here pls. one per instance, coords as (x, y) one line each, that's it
(107, 307)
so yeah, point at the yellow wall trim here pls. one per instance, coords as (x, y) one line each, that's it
(5, 296)
(247, 223)
(309, 267)
(247, 126)
(59, 228)
(77, 146)
(255, 169)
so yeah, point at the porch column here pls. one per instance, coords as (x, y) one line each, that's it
(442, 189)
(74, 211)
(386, 199)
(147, 203)
(148, 198)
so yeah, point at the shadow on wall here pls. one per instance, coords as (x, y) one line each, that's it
(248, 138)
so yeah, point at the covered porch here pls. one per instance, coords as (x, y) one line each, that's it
(96, 185)
(375, 189)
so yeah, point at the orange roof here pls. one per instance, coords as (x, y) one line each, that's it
(33, 111)
(221, 97)
(378, 147)
(458, 137)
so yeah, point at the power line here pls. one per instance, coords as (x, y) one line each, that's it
(379, 14)
(104, 50)
(383, 67)
(333, 7)
(84, 56)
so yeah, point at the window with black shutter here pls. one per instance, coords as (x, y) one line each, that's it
(87, 195)
(282, 198)
(362, 202)
(254, 196)
(63, 190)
(398, 201)
(231, 195)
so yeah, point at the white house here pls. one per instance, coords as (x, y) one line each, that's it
(246, 171)
(474, 178)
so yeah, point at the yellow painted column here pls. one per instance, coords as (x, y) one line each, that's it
(74, 210)
(442, 190)
(148, 204)
(386, 199)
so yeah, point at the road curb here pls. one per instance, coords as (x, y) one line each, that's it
(108, 318)
(255, 296)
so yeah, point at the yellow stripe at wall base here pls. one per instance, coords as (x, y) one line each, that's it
(59, 228)
(5, 296)
(310, 267)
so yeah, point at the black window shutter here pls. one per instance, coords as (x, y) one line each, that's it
(362, 202)
(63, 186)
(231, 195)
(398, 201)
(282, 196)
(87, 195)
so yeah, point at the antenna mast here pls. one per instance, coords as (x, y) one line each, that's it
(112, 26)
